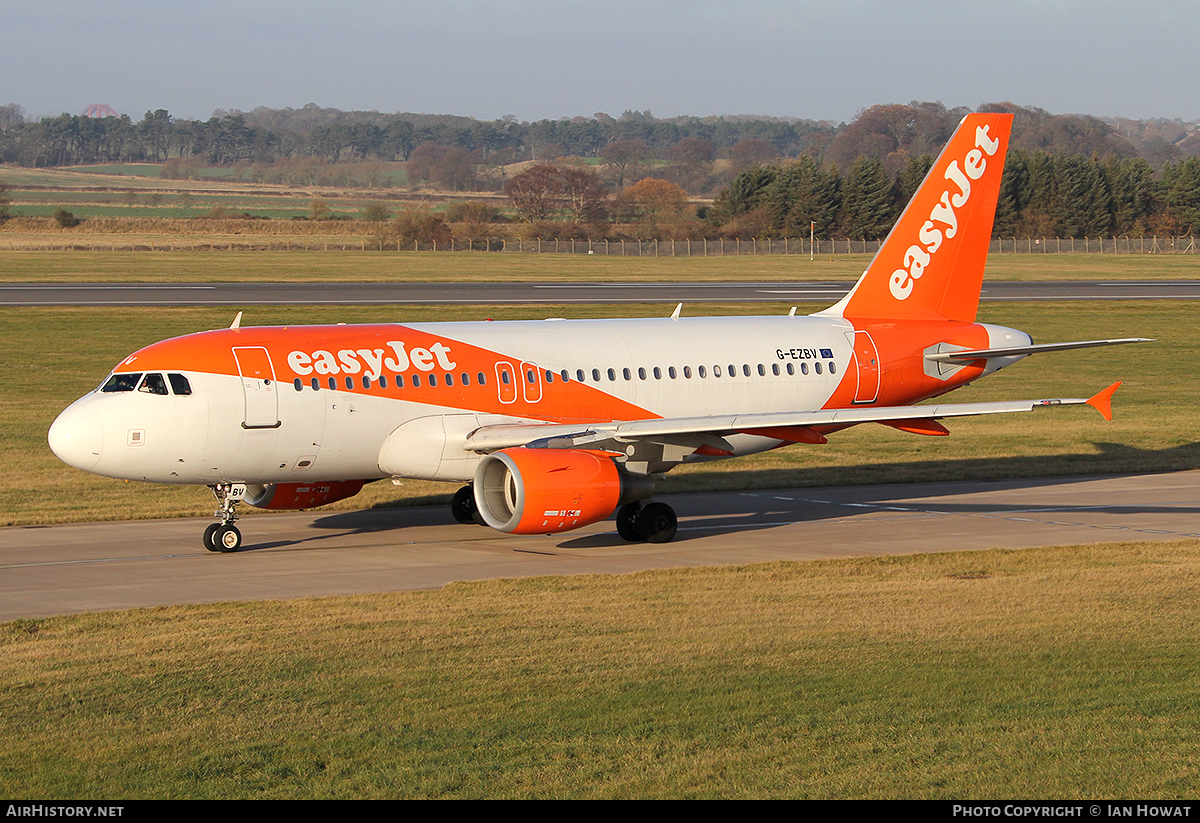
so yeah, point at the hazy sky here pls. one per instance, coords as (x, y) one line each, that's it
(540, 59)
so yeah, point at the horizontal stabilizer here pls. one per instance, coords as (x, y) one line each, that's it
(1018, 351)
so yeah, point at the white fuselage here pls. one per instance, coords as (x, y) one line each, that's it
(324, 412)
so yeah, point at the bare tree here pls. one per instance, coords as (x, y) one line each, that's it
(534, 192)
(540, 191)
(624, 157)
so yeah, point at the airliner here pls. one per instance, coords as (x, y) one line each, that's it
(557, 424)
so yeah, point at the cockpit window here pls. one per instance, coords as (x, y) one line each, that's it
(121, 382)
(180, 384)
(154, 384)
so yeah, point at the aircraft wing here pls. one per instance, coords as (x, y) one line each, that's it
(709, 430)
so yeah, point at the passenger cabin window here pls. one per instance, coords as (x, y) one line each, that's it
(180, 385)
(122, 382)
(153, 384)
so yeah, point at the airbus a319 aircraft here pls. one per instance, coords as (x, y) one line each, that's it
(556, 424)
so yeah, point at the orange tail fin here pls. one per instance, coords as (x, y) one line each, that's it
(930, 267)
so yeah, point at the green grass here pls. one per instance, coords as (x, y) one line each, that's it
(54, 355)
(1065, 673)
(277, 205)
(1051, 673)
(138, 175)
(122, 169)
(352, 266)
(84, 211)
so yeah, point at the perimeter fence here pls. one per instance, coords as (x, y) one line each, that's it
(621, 248)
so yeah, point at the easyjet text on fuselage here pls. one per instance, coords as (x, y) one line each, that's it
(372, 363)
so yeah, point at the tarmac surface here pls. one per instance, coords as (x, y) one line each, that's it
(49, 570)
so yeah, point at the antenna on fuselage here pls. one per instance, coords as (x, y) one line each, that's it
(792, 313)
(675, 314)
(237, 322)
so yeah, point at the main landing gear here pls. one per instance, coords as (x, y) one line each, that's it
(651, 522)
(224, 536)
(636, 522)
(463, 507)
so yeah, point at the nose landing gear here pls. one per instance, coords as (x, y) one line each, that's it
(224, 536)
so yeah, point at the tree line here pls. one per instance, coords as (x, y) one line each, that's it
(1066, 175)
(1041, 195)
(267, 135)
(891, 132)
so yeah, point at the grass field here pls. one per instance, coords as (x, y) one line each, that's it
(125, 176)
(353, 266)
(1051, 673)
(59, 354)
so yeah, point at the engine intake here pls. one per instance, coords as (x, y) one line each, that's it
(546, 491)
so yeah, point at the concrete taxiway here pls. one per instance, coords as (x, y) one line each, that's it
(48, 570)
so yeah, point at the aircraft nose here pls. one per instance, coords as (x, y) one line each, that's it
(77, 437)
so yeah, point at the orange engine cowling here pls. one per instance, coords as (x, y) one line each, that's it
(545, 491)
(300, 495)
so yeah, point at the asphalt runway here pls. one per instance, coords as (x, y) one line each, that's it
(49, 570)
(245, 294)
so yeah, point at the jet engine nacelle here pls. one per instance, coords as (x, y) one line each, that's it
(300, 495)
(546, 491)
